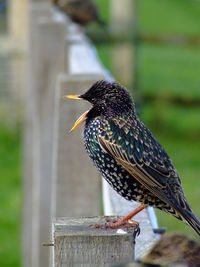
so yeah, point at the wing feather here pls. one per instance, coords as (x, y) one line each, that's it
(154, 179)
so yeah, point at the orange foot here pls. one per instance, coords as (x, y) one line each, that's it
(127, 224)
(121, 222)
(125, 221)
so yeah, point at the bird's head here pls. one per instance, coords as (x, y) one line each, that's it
(108, 99)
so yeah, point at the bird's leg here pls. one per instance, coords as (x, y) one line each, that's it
(127, 219)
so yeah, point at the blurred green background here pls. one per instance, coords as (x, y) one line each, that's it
(168, 85)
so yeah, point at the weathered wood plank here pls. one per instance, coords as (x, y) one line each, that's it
(18, 22)
(46, 37)
(50, 63)
(122, 16)
(31, 145)
(41, 1)
(76, 183)
(123, 66)
(77, 244)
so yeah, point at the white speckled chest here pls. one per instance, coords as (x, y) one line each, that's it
(115, 174)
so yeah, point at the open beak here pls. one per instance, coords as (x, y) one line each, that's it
(82, 118)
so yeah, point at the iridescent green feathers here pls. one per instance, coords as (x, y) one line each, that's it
(133, 146)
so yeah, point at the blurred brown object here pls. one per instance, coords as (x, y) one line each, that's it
(171, 250)
(82, 12)
(174, 249)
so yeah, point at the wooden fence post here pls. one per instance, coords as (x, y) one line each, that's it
(18, 22)
(76, 183)
(122, 16)
(46, 37)
(31, 145)
(76, 243)
(30, 228)
(51, 61)
(41, 1)
(123, 22)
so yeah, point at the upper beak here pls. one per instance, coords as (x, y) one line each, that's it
(72, 96)
(82, 118)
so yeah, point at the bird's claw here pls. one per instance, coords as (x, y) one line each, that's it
(117, 223)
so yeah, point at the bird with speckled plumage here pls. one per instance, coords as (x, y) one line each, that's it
(82, 12)
(128, 156)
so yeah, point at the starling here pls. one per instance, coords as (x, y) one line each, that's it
(128, 155)
(171, 250)
(82, 12)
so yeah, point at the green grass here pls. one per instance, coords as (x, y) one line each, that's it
(169, 17)
(103, 6)
(166, 70)
(160, 17)
(10, 197)
(172, 119)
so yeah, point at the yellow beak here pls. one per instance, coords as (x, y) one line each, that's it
(72, 96)
(82, 118)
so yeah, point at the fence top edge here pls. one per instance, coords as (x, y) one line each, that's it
(82, 227)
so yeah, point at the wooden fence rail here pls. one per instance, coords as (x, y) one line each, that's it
(59, 177)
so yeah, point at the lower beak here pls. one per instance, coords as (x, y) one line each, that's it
(82, 118)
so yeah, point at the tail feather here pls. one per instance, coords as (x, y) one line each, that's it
(192, 220)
